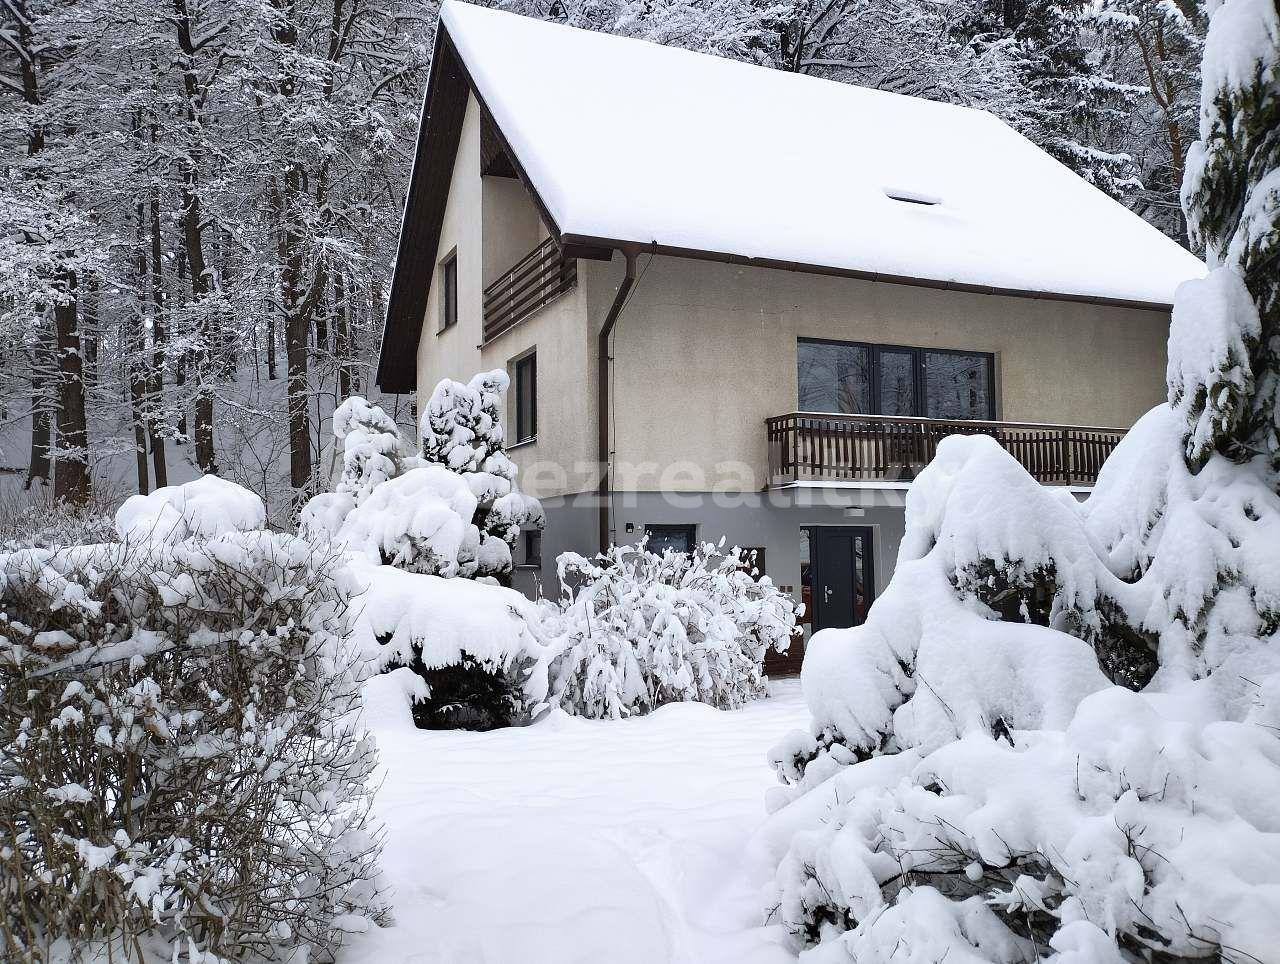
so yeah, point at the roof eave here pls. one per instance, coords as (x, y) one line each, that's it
(591, 242)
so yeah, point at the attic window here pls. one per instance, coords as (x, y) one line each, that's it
(912, 197)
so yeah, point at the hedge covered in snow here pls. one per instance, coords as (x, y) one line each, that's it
(181, 768)
(637, 629)
(1056, 736)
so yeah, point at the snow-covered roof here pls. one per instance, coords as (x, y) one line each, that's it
(628, 141)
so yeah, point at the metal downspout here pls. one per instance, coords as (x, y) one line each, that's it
(602, 391)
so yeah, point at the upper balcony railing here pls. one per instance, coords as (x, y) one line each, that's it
(805, 446)
(535, 280)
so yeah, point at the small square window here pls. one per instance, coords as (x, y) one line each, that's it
(449, 292)
(677, 538)
(527, 398)
(531, 542)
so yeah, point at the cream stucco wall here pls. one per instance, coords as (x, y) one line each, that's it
(454, 353)
(491, 222)
(705, 352)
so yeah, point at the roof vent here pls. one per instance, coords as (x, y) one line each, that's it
(911, 197)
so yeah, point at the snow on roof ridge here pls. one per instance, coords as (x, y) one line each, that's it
(447, 15)
(747, 168)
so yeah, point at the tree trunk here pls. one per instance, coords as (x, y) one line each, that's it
(342, 335)
(71, 471)
(155, 384)
(135, 360)
(193, 237)
(41, 465)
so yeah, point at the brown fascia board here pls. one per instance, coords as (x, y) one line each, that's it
(439, 131)
(575, 242)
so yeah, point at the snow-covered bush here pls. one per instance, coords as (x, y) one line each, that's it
(453, 512)
(456, 511)
(637, 630)
(1055, 736)
(181, 768)
(207, 506)
(462, 431)
(370, 447)
(477, 649)
(33, 517)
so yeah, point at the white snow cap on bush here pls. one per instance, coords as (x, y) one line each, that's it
(419, 521)
(208, 506)
(408, 615)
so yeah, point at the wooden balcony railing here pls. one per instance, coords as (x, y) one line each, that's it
(535, 280)
(806, 446)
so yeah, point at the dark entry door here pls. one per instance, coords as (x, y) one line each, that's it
(843, 580)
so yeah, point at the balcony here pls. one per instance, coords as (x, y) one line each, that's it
(811, 447)
(537, 279)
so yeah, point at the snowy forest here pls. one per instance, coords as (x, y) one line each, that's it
(200, 200)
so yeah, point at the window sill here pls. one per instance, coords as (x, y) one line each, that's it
(528, 567)
(522, 444)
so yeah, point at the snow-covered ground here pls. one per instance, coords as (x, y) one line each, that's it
(578, 841)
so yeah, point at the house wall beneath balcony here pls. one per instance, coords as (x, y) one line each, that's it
(771, 521)
(705, 352)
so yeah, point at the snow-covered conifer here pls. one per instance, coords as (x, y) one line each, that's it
(1023, 752)
(1226, 344)
(462, 431)
(370, 447)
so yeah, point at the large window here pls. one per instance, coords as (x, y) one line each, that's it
(855, 379)
(527, 398)
(449, 292)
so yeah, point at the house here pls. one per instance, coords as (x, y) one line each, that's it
(756, 299)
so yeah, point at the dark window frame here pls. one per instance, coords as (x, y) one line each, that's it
(448, 291)
(526, 380)
(688, 528)
(919, 401)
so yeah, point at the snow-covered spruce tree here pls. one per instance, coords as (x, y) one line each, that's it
(637, 630)
(1224, 365)
(462, 431)
(181, 768)
(974, 785)
(456, 513)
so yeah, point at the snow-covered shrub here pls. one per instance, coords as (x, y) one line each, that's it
(462, 432)
(207, 506)
(453, 512)
(456, 511)
(34, 518)
(370, 447)
(1054, 737)
(637, 630)
(477, 648)
(181, 769)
